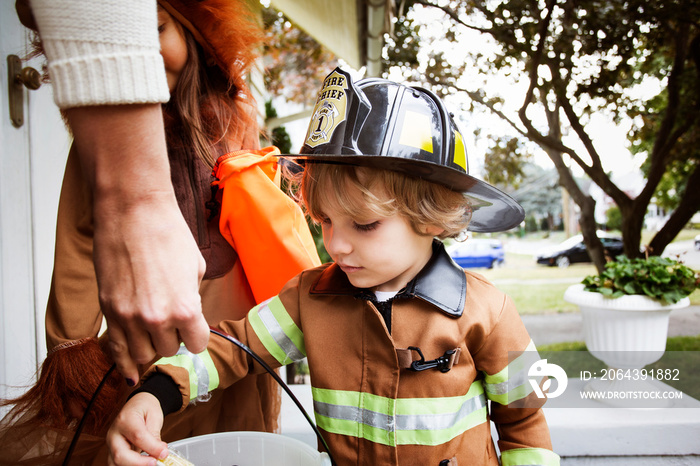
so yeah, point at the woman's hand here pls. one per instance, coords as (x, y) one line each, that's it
(136, 429)
(147, 262)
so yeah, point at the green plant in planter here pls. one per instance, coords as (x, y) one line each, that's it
(656, 277)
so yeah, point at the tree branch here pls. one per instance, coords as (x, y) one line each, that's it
(535, 64)
(667, 137)
(690, 203)
(661, 144)
(532, 132)
(478, 98)
(595, 170)
(452, 14)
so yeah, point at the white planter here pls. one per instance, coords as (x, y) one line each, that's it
(628, 332)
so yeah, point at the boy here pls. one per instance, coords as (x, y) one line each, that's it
(404, 348)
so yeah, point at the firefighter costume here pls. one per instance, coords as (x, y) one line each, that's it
(413, 380)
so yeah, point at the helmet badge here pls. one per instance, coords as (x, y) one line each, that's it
(329, 111)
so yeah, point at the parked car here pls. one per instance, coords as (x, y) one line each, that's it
(574, 250)
(697, 243)
(477, 252)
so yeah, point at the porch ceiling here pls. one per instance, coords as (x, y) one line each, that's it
(351, 29)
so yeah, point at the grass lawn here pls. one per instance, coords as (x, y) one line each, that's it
(684, 235)
(539, 298)
(672, 344)
(538, 289)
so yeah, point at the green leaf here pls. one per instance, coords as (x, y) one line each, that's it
(657, 277)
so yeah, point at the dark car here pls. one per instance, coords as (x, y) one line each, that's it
(574, 250)
(477, 252)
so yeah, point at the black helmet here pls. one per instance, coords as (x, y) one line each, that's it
(383, 124)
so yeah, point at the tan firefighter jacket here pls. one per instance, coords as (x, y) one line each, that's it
(369, 408)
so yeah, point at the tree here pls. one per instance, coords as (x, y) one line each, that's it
(505, 162)
(295, 64)
(279, 136)
(577, 58)
(614, 219)
(540, 195)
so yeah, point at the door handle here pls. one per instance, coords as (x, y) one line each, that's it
(17, 79)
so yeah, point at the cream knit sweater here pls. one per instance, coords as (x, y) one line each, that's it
(102, 51)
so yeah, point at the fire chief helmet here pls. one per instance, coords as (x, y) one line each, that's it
(382, 124)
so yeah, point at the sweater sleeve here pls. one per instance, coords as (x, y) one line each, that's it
(505, 358)
(102, 52)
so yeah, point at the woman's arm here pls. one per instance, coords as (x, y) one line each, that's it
(108, 75)
(147, 263)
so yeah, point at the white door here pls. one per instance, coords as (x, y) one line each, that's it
(32, 161)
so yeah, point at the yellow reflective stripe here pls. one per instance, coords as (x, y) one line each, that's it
(277, 331)
(436, 405)
(203, 376)
(404, 421)
(514, 366)
(511, 383)
(434, 421)
(355, 414)
(354, 428)
(438, 437)
(529, 457)
(460, 155)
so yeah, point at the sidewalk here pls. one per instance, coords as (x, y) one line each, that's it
(558, 328)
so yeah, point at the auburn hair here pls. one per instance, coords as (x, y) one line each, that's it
(211, 104)
(382, 193)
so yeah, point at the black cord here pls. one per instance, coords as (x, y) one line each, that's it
(225, 336)
(259, 360)
(79, 429)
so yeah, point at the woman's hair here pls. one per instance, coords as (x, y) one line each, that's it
(421, 202)
(206, 108)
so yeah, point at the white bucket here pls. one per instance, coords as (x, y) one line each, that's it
(248, 449)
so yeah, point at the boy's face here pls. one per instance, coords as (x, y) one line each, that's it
(377, 253)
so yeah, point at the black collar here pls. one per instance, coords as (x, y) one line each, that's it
(441, 283)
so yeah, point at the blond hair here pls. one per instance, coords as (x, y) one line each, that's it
(421, 202)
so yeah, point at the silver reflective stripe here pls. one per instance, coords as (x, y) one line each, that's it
(402, 421)
(515, 378)
(277, 333)
(200, 370)
(513, 381)
(355, 414)
(440, 421)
